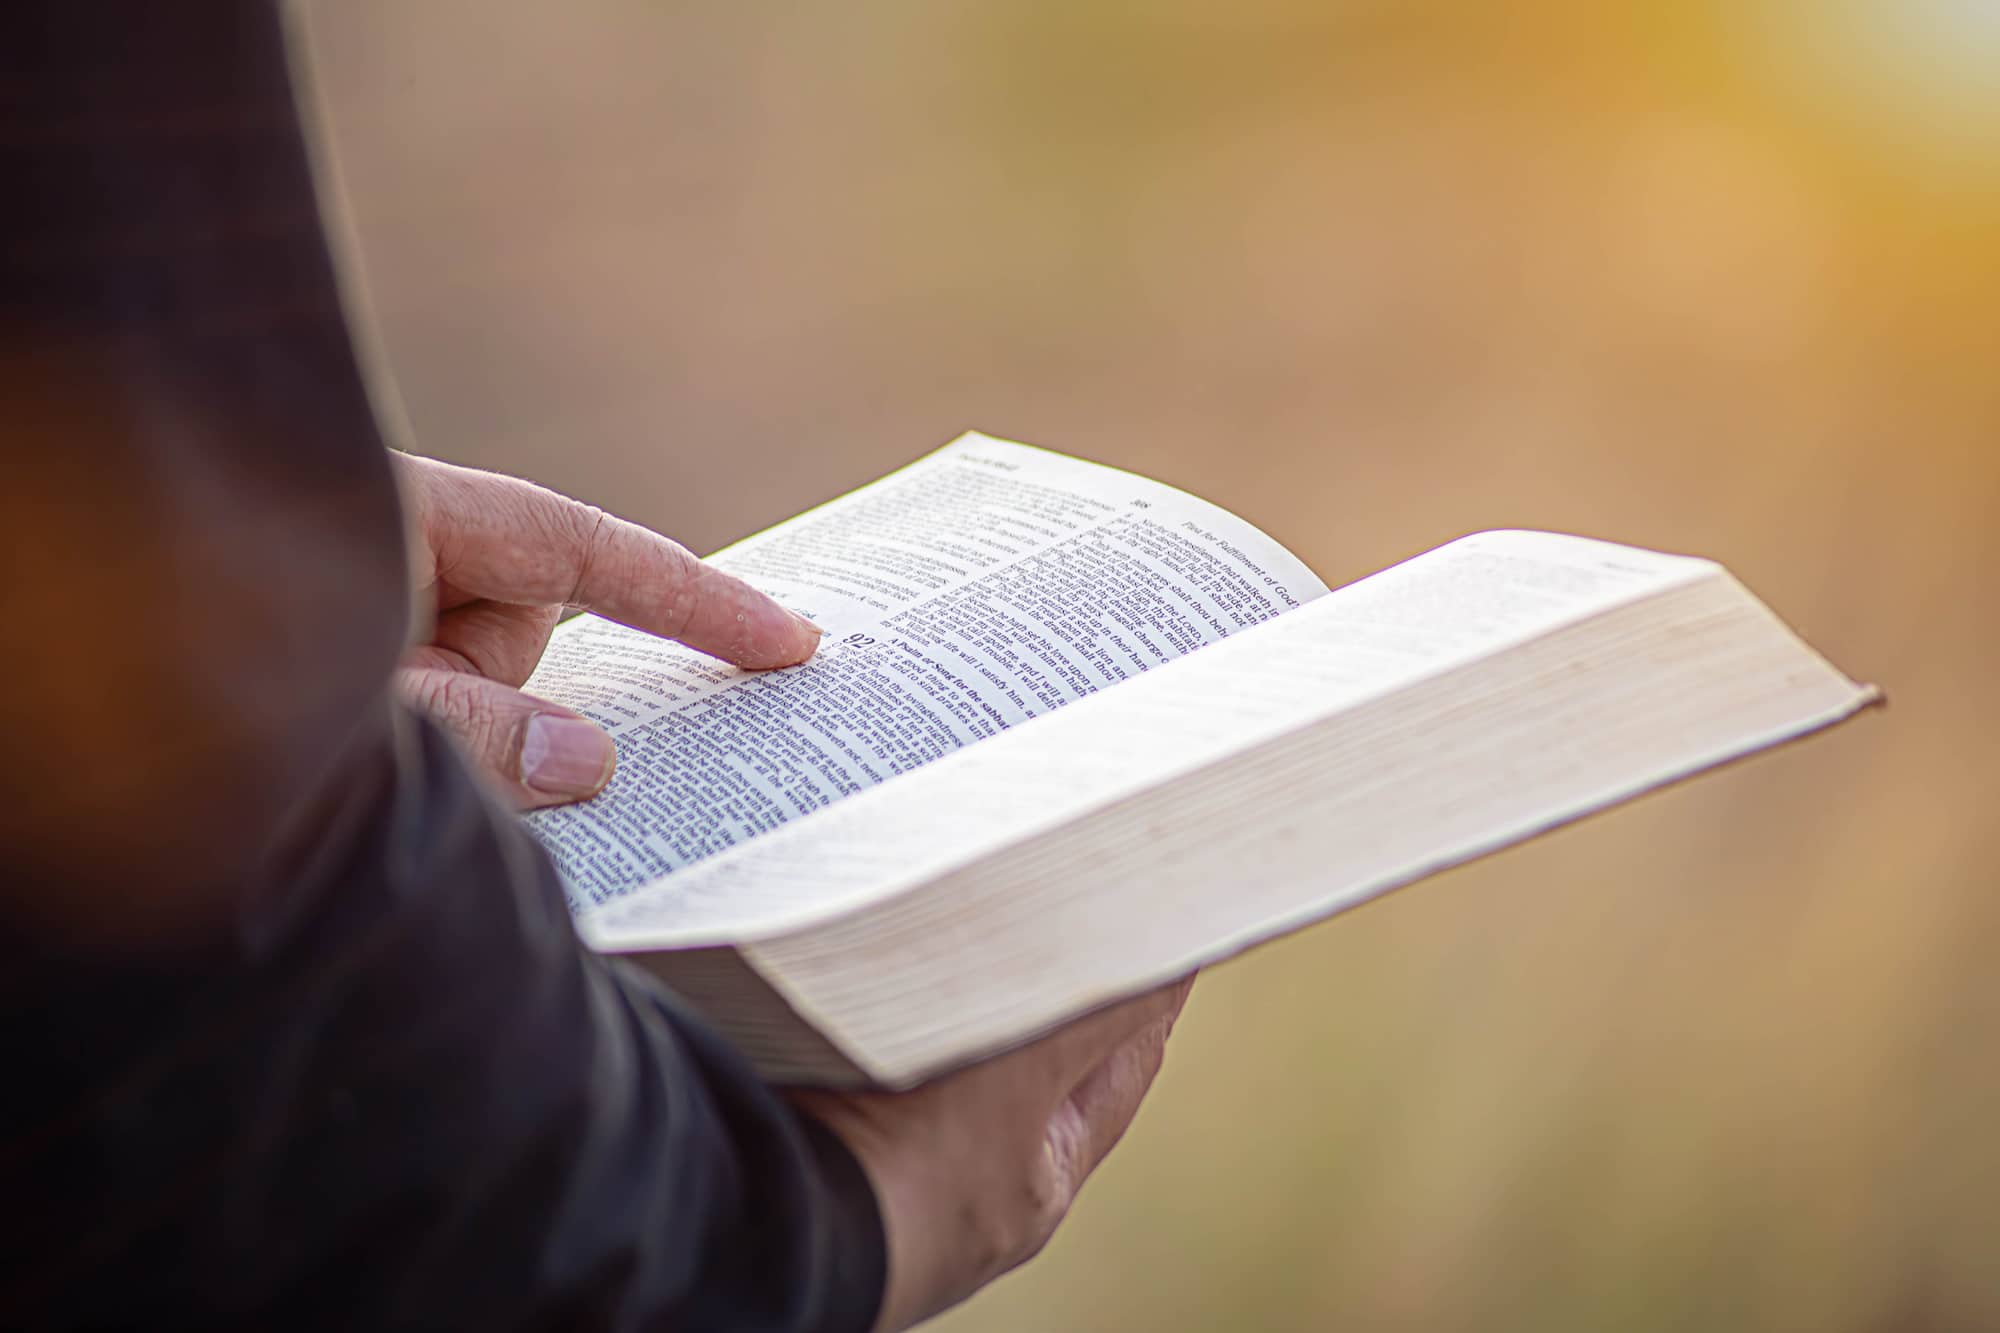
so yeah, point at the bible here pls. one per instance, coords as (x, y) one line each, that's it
(1071, 733)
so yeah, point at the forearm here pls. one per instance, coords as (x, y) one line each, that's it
(411, 1102)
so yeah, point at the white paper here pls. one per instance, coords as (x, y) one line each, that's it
(1427, 615)
(984, 585)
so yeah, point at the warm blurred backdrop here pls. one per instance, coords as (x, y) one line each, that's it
(1718, 277)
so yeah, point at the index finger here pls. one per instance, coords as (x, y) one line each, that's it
(508, 540)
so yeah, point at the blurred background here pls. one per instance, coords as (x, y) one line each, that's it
(1717, 277)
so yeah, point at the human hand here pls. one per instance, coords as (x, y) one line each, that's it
(974, 1171)
(499, 559)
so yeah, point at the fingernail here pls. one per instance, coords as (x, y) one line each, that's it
(807, 625)
(565, 756)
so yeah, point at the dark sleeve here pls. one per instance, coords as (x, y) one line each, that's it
(294, 1029)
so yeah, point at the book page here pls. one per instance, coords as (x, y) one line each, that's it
(1423, 617)
(984, 585)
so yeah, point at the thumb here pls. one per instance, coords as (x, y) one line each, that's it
(536, 752)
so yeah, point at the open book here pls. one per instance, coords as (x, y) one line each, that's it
(1072, 733)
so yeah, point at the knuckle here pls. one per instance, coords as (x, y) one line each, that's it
(982, 1237)
(1011, 1224)
(423, 689)
(996, 1236)
(1041, 1191)
(1044, 1198)
(460, 704)
(1049, 1193)
(682, 574)
(580, 528)
(461, 701)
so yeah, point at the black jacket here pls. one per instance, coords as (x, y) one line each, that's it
(294, 1030)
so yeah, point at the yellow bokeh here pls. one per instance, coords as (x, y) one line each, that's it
(1711, 277)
